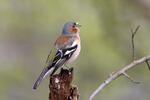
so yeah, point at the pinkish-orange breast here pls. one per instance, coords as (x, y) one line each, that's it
(76, 53)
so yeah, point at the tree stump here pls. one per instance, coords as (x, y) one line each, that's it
(61, 88)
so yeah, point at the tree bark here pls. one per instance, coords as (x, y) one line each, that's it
(61, 88)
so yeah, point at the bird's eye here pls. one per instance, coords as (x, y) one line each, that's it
(74, 23)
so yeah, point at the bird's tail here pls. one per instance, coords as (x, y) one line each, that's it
(45, 71)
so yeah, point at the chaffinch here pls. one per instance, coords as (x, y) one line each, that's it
(65, 50)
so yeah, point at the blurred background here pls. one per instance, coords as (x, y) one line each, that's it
(28, 29)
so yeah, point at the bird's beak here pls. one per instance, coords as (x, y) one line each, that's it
(78, 24)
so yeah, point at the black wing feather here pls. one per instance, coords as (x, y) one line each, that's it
(61, 57)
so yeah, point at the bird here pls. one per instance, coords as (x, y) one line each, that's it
(64, 51)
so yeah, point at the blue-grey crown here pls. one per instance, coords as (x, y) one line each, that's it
(65, 30)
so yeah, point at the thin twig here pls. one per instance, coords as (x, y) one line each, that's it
(119, 73)
(147, 64)
(124, 69)
(133, 34)
(130, 78)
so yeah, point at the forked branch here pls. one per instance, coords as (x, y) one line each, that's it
(119, 73)
(133, 34)
(124, 69)
(147, 64)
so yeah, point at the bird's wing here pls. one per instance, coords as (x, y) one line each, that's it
(64, 52)
(61, 45)
(56, 58)
(51, 56)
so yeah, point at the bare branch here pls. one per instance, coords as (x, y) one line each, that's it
(124, 69)
(119, 73)
(130, 78)
(133, 34)
(147, 64)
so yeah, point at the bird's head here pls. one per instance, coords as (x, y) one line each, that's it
(71, 28)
